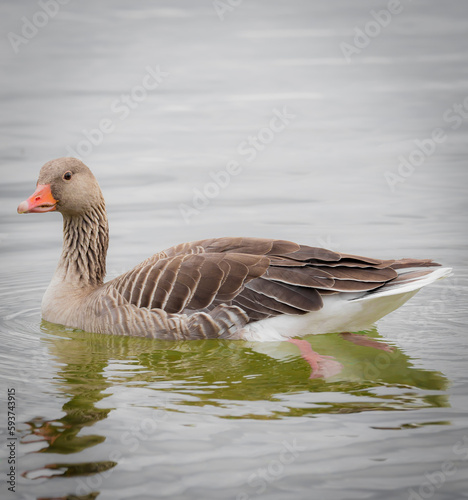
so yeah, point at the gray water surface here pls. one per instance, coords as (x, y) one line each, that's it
(342, 155)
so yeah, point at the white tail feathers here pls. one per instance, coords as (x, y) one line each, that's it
(409, 280)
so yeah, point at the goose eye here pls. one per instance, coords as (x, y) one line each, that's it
(67, 176)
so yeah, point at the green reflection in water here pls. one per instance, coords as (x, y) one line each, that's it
(224, 378)
(81, 379)
(216, 372)
(230, 379)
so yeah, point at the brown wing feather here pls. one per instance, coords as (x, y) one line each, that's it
(302, 298)
(262, 277)
(372, 275)
(404, 263)
(253, 301)
(307, 276)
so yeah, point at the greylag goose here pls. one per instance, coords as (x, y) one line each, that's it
(237, 288)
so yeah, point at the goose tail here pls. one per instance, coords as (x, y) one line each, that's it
(408, 280)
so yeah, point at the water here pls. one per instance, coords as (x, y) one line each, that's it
(121, 418)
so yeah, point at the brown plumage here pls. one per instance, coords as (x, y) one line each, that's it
(244, 272)
(203, 289)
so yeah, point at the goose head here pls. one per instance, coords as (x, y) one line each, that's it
(64, 185)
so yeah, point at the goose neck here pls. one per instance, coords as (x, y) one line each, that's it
(85, 242)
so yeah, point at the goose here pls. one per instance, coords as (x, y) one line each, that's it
(253, 289)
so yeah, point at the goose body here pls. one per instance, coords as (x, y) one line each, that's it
(239, 288)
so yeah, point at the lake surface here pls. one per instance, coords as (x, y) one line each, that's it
(256, 124)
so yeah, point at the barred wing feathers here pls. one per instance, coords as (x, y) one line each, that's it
(262, 277)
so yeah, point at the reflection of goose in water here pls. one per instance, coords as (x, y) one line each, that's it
(220, 377)
(236, 288)
(237, 371)
(81, 379)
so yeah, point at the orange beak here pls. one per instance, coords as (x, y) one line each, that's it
(40, 201)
